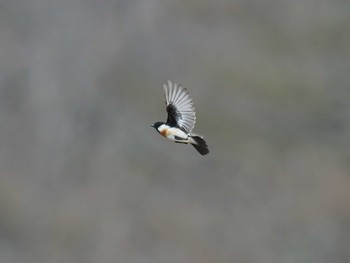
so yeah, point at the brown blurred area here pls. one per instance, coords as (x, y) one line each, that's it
(83, 176)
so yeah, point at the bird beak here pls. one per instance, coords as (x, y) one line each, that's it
(152, 125)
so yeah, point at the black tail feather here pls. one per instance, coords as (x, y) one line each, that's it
(200, 145)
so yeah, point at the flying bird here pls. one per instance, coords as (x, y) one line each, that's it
(181, 118)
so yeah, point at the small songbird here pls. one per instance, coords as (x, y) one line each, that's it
(181, 118)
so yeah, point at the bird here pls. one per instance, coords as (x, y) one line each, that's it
(181, 118)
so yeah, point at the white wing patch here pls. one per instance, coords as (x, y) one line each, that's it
(184, 112)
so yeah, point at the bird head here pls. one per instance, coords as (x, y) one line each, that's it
(157, 124)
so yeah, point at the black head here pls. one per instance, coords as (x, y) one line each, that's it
(157, 124)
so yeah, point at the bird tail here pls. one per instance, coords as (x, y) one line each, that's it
(199, 144)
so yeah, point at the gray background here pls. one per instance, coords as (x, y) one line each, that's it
(83, 176)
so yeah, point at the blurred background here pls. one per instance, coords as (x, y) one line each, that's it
(83, 176)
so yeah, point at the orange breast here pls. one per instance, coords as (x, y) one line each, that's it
(164, 132)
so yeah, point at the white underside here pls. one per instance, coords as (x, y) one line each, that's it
(172, 132)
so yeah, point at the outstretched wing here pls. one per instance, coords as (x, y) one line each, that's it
(179, 105)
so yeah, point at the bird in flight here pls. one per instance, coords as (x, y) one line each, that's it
(181, 118)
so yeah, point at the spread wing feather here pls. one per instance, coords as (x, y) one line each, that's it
(179, 105)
